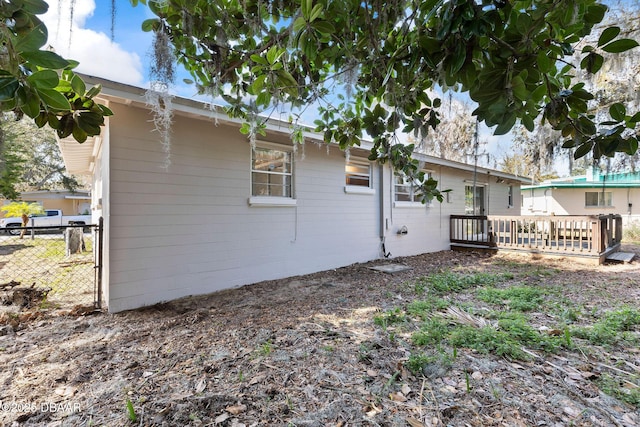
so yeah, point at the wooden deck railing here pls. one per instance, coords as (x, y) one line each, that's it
(591, 235)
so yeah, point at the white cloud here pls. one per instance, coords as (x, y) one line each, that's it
(97, 53)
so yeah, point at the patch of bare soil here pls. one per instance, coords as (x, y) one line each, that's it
(305, 351)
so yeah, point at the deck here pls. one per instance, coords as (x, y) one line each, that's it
(589, 238)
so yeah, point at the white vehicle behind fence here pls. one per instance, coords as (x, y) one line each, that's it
(52, 218)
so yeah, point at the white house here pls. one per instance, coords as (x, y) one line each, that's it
(591, 194)
(225, 214)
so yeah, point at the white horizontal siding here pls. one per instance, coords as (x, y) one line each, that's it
(189, 229)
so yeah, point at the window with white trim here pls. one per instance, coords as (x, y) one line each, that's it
(510, 196)
(271, 172)
(593, 199)
(357, 172)
(408, 190)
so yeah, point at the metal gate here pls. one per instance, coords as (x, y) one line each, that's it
(45, 268)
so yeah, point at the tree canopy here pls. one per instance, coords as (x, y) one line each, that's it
(513, 58)
(37, 82)
(31, 158)
(615, 83)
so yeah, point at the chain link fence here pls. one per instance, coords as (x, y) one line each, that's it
(44, 268)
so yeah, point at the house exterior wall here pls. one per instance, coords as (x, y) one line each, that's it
(192, 227)
(189, 229)
(571, 201)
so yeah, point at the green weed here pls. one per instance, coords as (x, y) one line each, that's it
(424, 308)
(433, 331)
(623, 319)
(487, 340)
(364, 352)
(520, 298)
(421, 362)
(623, 390)
(390, 317)
(448, 282)
(612, 328)
(131, 412)
(266, 348)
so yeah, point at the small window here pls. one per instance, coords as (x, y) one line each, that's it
(598, 199)
(510, 197)
(407, 190)
(358, 172)
(271, 172)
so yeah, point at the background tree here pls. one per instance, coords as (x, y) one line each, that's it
(454, 136)
(11, 169)
(41, 163)
(511, 57)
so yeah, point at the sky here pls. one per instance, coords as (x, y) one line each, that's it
(86, 37)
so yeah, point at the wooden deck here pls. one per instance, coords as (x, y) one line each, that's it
(590, 238)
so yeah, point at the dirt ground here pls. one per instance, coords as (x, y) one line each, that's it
(305, 351)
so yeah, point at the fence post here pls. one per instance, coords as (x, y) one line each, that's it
(99, 245)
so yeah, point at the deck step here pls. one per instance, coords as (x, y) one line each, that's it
(621, 256)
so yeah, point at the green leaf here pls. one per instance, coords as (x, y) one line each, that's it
(35, 7)
(41, 119)
(607, 35)
(274, 54)
(78, 85)
(620, 45)
(106, 111)
(306, 6)
(8, 87)
(459, 58)
(94, 91)
(33, 40)
(79, 134)
(31, 106)
(527, 122)
(45, 59)
(617, 111)
(583, 150)
(45, 79)
(316, 12)
(519, 89)
(323, 27)
(299, 24)
(506, 125)
(152, 24)
(544, 63)
(53, 99)
(592, 63)
(595, 13)
(90, 119)
(72, 64)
